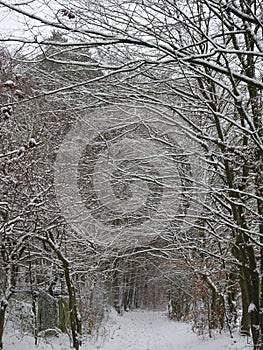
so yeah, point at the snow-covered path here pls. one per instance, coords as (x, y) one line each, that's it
(140, 330)
(153, 331)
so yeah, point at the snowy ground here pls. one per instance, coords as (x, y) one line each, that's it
(140, 330)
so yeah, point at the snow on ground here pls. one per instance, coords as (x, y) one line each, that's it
(137, 330)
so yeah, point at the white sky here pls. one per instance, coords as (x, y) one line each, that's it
(9, 22)
(15, 24)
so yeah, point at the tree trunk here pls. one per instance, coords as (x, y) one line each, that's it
(3, 307)
(245, 322)
(75, 319)
(75, 322)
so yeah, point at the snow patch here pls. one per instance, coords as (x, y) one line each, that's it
(252, 307)
(137, 330)
(9, 83)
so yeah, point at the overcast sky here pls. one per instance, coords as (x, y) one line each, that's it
(15, 24)
(9, 22)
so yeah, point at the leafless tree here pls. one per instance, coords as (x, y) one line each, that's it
(197, 64)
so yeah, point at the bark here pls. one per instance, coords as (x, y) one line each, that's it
(75, 322)
(75, 319)
(3, 307)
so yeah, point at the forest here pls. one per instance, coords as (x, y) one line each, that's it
(131, 163)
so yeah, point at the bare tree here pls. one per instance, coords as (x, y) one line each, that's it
(198, 64)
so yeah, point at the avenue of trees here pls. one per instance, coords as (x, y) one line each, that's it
(191, 73)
